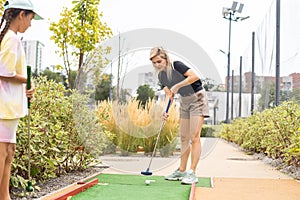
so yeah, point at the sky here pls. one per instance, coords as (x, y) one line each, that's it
(199, 20)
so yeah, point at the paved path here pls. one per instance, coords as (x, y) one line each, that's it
(218, 159)
(226, 160)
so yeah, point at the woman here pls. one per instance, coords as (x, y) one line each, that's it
(13, 95)
(176, 77)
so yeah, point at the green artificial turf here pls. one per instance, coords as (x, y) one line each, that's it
(133, 187)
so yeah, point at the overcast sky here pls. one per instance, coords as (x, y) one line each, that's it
(200, 20)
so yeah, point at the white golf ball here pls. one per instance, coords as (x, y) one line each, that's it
(147, 182)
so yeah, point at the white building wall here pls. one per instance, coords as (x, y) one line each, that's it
(34, 54)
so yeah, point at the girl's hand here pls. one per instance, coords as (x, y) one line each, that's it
(30, 92)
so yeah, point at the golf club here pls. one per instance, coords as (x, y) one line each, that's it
(29, 187)
(147, 172)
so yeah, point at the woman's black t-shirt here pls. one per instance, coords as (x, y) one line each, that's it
(178, 76)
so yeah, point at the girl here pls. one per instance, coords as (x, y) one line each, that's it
(13, 95)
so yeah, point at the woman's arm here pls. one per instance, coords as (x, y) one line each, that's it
(191, 77)
(168, 93)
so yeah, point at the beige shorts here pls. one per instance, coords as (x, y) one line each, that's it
(8, 129)
(194, 105)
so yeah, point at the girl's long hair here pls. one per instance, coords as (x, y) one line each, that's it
(8, 16)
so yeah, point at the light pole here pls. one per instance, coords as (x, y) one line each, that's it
(232, 91)
(229, 13)
(111, 85)
(277, 79)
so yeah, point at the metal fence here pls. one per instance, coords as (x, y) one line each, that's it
(257, 71)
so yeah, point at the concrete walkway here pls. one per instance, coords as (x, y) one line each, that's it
(226, 160)
(218, 159)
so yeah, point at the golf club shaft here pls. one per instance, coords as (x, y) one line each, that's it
(28, 128)
(154, 150)
(161, 127)
(28, 117)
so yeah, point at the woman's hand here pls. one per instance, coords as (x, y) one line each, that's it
(174, 89)
(164, 116)
(169, 93)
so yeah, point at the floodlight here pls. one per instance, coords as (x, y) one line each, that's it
(229, 13)
(222, 51)
(225, 11)
(240, 8)
(233, 7)
(243, 18)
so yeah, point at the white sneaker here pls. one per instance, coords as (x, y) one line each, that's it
(189, 178)
(175, 176)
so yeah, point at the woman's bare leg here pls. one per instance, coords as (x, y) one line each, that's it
(185, 143)
(196, 123)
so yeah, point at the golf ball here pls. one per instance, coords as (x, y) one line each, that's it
(147, 182)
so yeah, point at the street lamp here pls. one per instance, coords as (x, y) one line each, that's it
(229, 13)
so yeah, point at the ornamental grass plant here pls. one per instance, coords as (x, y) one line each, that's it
(132, 125)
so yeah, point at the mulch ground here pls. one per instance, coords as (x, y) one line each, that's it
(250, 189)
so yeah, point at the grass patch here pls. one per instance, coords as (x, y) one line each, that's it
(133, 187)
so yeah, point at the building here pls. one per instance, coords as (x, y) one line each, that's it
(295, 80)
(34, 54)
(259, 82)
(287, 83)
(147, 78)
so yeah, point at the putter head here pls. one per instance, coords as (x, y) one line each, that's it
(29, 187)
(146, 173)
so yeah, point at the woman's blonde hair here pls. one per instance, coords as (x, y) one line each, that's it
(162, 53)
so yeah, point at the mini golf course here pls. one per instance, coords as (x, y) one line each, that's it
(133, 187)
(121, 186)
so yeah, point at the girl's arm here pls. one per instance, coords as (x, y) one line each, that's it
(16, 79)
(21, 80)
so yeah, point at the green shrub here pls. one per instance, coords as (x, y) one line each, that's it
(65, 134)
(207, 131)
(274, 132)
